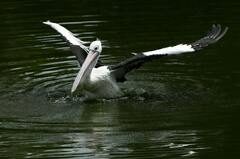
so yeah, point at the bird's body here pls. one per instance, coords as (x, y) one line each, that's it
(96, 80)
(100, 84)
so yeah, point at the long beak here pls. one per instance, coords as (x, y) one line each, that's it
(86, 69)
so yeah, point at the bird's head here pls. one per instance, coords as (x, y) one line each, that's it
(96, 46)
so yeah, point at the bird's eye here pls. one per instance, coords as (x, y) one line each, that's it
(96, 48)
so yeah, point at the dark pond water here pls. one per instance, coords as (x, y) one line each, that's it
(183, 106)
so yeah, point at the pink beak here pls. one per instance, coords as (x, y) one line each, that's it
(86, 69)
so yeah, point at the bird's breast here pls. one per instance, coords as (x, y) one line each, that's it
(101, 84)
(100, 74)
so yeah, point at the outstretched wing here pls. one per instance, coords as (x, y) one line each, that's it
(76, 45)
(119, 70)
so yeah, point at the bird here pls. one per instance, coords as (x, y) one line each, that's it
(96, 80)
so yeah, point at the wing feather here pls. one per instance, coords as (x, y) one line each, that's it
(121, 69)
(76, 45)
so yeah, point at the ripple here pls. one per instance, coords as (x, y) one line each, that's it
(83, 22)
(174, 107)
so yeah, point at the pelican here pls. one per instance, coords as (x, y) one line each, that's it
(96, 80)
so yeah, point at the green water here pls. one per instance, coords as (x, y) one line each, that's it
(184, 106)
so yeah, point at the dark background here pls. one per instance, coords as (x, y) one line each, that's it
(176, 107)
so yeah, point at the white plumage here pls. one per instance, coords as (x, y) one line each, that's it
(178, 49)
(66, 34)
(100, 85)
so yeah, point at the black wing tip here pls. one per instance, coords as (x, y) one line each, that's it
(215, 34)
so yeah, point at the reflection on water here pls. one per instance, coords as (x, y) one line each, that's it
(103, 130)
(177, 107)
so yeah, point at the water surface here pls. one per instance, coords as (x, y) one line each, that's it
(184, 106)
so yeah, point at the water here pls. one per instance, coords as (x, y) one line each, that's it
(183, 106)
